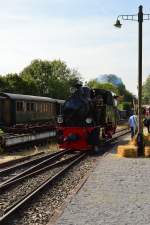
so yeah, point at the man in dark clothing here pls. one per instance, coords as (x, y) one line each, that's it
(147, 124)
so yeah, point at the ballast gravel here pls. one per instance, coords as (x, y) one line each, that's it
(42, 208)
(16, 171)
(9, 197)
(18, 191)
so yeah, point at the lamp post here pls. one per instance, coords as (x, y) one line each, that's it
(137, 17)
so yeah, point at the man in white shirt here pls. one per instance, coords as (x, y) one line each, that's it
(132, 124)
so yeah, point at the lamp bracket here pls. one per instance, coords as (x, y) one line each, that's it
(129, 17)
(134, 17)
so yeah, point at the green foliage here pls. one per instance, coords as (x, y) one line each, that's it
(43, 78)
(126, 106)
(37, 75)
(128, 96)
(146, 91)
(107, 86)
(116, 83)
(1, 132)
(110, 78)
(54, 79)
(3, 83)
(50, 78)
(15, 84)
(126, 102)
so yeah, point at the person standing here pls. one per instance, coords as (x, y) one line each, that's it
(147, 124)
(133, 125)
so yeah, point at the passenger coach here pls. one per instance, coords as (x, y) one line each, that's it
(19, 109)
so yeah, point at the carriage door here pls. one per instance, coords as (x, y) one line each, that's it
(1, 108)
(6, 117)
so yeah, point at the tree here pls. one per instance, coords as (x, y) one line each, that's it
(126, 97)
(107, 86)
(51, 78)
(37, 74)
(15, 84)
(110, 78)
(3, 83)
(146, 91)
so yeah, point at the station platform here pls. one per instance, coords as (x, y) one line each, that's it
(117, 192)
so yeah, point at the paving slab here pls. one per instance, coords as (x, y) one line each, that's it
(116, 193)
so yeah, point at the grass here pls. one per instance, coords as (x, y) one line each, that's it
(7, 156)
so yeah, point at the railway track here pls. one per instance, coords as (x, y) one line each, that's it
(24, 166)
(15, 172)
(118, 134)
(19, 160)
(59, 168)
(62, 168)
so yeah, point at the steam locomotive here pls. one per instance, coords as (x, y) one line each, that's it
(88, 117)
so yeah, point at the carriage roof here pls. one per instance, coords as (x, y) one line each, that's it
(29, 97)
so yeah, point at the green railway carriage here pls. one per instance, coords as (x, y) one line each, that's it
(20, 109)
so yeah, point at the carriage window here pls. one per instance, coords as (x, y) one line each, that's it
(28, 106)
(49, 107)
(38, 107)
(42, 107)
(46, 107)
(35, 107)
(53, 107)
(32, 106)
(19, 106)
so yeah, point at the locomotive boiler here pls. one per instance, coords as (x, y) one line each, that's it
(89, 116)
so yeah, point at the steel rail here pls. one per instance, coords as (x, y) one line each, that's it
(26, 199)
(118, 131)
(114, 138)
(6, 185)
(39, 165)
(7, 164)
(122, 121)
(30, 162)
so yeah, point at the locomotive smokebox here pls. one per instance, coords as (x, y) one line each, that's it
(77, 107)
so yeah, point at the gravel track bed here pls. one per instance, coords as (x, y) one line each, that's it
(18, 171)
(41, 209)
(25, 187)
(121, 127)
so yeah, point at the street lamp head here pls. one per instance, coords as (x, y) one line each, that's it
(118, 24)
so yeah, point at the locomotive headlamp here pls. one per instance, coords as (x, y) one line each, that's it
(73, 90)
(88, 120)
(60, 119)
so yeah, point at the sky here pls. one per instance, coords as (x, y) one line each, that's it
(78, 32)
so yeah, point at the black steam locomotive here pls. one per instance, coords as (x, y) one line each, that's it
(88, 115)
